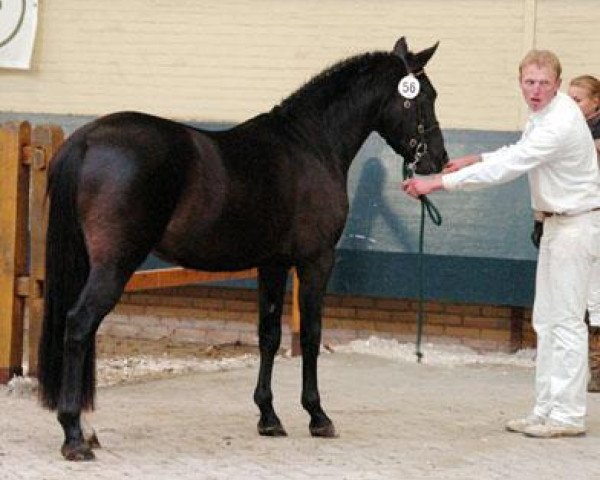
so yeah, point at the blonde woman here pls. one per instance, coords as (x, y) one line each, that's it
(585, 90)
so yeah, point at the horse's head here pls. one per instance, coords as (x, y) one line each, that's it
(408, 122)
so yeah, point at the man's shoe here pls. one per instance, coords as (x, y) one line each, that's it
(521, 424)
(553, 429)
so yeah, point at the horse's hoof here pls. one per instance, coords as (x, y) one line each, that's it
(276, 430)
(77, 453)
(93, 442)
(324, 431)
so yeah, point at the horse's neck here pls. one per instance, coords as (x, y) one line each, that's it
(348, 131)
(334, 134)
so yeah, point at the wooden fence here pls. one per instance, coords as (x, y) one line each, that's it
(25, 154)
(24, 158)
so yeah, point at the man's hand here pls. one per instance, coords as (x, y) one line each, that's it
(537, 232)
(416, 187)
(461, 162)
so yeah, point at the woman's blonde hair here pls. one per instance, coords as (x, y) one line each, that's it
(589, 82)
(541, 58)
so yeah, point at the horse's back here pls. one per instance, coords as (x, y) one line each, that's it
(148, 136)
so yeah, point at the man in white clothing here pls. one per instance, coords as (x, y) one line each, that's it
(557, 153)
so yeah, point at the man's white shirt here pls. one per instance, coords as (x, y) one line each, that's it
(556, 151)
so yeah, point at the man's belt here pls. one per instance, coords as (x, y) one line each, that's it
(556, 214)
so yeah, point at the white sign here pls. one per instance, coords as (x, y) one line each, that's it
(18, 23)
(409, 86)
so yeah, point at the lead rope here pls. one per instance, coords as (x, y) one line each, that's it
(436, 218)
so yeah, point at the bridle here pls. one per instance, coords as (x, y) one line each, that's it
(417, 142)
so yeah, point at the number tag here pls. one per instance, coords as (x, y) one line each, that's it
(409, 87)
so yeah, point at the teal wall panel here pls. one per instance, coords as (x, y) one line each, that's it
(481, 253)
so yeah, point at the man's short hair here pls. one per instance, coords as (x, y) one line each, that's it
(541, 58)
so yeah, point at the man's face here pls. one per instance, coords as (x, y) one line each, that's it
(538, 85)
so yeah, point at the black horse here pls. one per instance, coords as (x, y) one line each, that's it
(268, 193)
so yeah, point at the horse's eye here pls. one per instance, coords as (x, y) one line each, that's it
(406, 103)
(412, 143)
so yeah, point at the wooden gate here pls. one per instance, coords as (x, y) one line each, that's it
(24, 158)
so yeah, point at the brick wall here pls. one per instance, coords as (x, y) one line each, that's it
(187, 319)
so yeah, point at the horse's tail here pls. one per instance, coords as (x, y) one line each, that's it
(67, 268)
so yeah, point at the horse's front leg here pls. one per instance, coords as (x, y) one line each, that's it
(271, 291)
(313, 282)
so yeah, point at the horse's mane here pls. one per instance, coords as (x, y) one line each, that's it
(351, 72)
(340, 90)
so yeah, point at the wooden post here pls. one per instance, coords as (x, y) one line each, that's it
(295, 322)
(516, 328)
(14, 189)
(45, 141)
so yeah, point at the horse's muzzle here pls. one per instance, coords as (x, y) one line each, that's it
(429, 164)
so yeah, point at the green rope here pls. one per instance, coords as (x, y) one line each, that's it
(435, 216)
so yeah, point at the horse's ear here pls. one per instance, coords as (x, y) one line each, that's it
(420, 59)
(401, 49)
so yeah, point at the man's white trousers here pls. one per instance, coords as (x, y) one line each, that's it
(569, 254)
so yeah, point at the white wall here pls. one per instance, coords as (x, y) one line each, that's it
(227, 60)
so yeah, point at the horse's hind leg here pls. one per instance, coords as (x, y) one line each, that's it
(271, 290)
(100, 294)
(313, 278)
